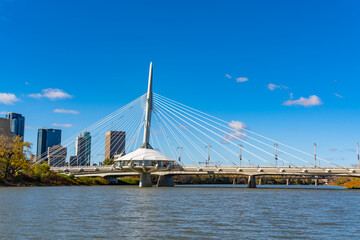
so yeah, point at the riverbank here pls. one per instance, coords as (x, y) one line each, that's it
(346, 182)
(45, 177)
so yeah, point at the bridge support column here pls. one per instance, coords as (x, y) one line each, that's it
(261, 182)
(165, 181)
(252, 181)
(288, 181)
(145, 180)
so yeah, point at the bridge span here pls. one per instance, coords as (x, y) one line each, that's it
(166, 176)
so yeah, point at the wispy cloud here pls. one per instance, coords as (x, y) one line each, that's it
(27, 83)
(52, 94)
(272, 87)
(3, 112)
(242, 79)
(61, 110)
(338, 95)
(8, 98)
(64, 125)
(239, 79)
(236, 128)
(313, 100)
(29, 128)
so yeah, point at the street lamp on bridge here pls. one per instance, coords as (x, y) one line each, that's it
(276, 157)
(240, 155)
(315, 154)
(179, 153)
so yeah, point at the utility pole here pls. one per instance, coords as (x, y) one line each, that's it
(358, 157)
(179, 153)
(208, 158)
(315, 154)
(276, 157)
(240, 156)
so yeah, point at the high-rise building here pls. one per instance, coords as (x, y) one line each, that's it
(5, 128)
(83, 149)
(47, 137)
(17, 123)
(114, 143)
(56, 155)
(73, 161)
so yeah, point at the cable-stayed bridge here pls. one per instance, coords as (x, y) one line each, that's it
(154, 135)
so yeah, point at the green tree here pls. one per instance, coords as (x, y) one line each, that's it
(108, 161)
(13, 157)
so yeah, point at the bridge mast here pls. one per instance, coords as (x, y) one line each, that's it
(148, 110)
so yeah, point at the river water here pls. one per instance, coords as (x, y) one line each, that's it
(182, 212)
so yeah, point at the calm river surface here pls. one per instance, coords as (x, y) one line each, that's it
(182, 212)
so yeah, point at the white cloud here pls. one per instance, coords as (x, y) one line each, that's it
(64, 125)
(237, 125)
(52, 94)
(58, 110)
(3, 112)
(8, 98)
(27, 83)
(242, 79)
(29, 128)
(272, 87)
(235, 131)
(338, 95)
(313, 100)
(228, 76)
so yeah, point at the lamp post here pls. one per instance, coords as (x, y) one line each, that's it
(208, 158)
(240, 155)
(315, 154)
(276, 157)
(358, 157)
(179, 153)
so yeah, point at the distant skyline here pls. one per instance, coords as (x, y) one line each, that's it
(288, 70)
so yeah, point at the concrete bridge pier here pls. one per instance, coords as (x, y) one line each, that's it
(261, 181)
(252, 181)
(165, 181)
(316, 181)
(287, 181)
(145, 180)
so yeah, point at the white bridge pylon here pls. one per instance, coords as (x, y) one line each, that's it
(177, 137)
(145, 159)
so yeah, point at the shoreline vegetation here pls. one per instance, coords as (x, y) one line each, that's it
(17, 170)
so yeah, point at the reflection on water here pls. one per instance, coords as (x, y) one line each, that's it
(182, 212)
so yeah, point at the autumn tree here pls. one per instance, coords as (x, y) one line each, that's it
(13, 156)
(108, 161)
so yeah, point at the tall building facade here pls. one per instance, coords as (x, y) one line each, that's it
(47, 137)
(114, 143)
(83, 149)
(56, 156)
(5, 129)
(73, 161)
(17, 123)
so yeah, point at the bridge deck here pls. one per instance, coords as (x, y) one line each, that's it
(104, 171)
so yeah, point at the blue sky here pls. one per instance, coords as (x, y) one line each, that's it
(92, 57)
